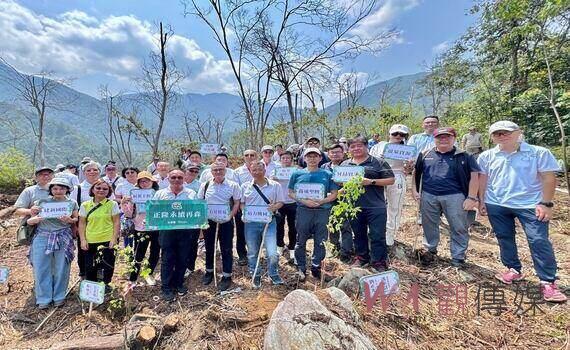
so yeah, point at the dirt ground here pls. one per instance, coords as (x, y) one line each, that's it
(237, 320)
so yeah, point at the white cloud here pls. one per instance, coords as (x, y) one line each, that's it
(441, 47)
(384, 16)
(77, 44)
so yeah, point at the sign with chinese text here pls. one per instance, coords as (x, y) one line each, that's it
(219, 212)
(176, 214)
(398, 151)
(55, 209)
(283, 173)
(92, 292)
(4, 272)
(343, 173)
(390, 278)
(140, 197)
(257, 213)
(309, 191)
(209, 148)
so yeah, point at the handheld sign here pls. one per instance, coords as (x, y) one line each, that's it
(342, 174)
(257, 213)
(140, 197)
(309, 191)
(283, 173)
(4, 273)
(398, 151)
(209, 148)
(219, 213)
(92, 292)
(176, 214)
(55, 209)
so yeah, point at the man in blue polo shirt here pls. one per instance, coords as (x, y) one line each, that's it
(314, 192)
(518, 181)
(425, 141)
(445, 180)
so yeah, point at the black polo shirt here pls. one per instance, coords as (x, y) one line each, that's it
(373, 196)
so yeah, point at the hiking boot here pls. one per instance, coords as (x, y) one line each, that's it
(316, 272)
(345, 258)
(168, 296)
(257, 281)
(208, 278)
(459, 263)
(276, 280)
(380, 266)
(509, 276)
(182, 291)
(301, 275)
(550, 292)
(242, 261)
(225, 283)
(359, 262)
(425, 257)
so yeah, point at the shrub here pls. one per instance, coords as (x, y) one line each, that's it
(15, 169)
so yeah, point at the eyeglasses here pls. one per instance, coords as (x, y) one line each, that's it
(312, 143)
(502, 133)
(249, 155)
(176, 177)
(193, 171)
(399, 134)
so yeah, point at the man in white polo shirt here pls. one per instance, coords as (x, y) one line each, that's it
(267, 157)
(261, 192)
(518, 181)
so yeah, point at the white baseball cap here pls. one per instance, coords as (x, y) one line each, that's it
(503, 125)
(267, 148)
(399, 128)
(312, 150)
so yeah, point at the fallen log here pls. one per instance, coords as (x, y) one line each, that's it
(4, 213)
(109, 342)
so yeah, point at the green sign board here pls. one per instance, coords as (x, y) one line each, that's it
(176, 214)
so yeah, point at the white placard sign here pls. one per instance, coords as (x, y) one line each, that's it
(309, 191)
(257, 213)
(4, 273)
(209, 148)
(344, 173)
(92, 292)
(283, 173)
(55, 209)
(219, 212)
(391, 282)
(140, 197)
(398, 151)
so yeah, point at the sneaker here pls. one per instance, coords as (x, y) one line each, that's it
(550, 292)
(225, 283)
(276, 280)
(257, 281)
(301, 275)
(291, 260)
(459, 263)
(345, 258)
(43, 306)
(187, 273)
(280, 251)
(208, 278)
(242, 261)
(316, 272)
(380, 266)
(509, 276)
(425, 256)
(59, 303)
(182, 291)
(168, 296)
(150, 280)
(359, 262)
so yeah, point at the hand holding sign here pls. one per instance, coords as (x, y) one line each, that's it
(209, 148)
(342, 174)
(398, 151)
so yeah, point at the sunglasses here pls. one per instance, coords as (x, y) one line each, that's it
(249, 155)
(502, 133)
(399, 134)
(176, 178)
(193, 171)
(111, 169)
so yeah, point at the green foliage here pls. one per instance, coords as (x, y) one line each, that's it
(15, 169)
(346, 208)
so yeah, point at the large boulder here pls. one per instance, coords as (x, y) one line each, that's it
(302, 322)
(349, 282)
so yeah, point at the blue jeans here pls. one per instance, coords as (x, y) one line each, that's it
(175, 246)
(370, 224)
(51, 272)
(253, 232)
(311, 222)
(503, 222)
(451, 206)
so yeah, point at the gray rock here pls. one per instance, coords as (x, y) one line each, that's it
(301, 322)
(400, 254)
(349, 283)
(334, 282)
(341, 300)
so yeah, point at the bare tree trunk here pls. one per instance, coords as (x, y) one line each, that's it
(164, 90)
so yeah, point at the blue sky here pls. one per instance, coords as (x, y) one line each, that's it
(103, 42)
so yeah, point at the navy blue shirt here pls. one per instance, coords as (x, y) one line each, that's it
(439, 177)
(374, 168)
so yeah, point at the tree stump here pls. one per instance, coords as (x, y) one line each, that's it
(171, 323)
(146, 334)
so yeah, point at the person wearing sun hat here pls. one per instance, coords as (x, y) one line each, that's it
(312, 142)
(518, 182)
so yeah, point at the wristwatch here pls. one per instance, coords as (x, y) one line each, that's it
(473, 198)
(547, 204)
(373, 182)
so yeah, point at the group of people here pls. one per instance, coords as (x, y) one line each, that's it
(513, 180)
